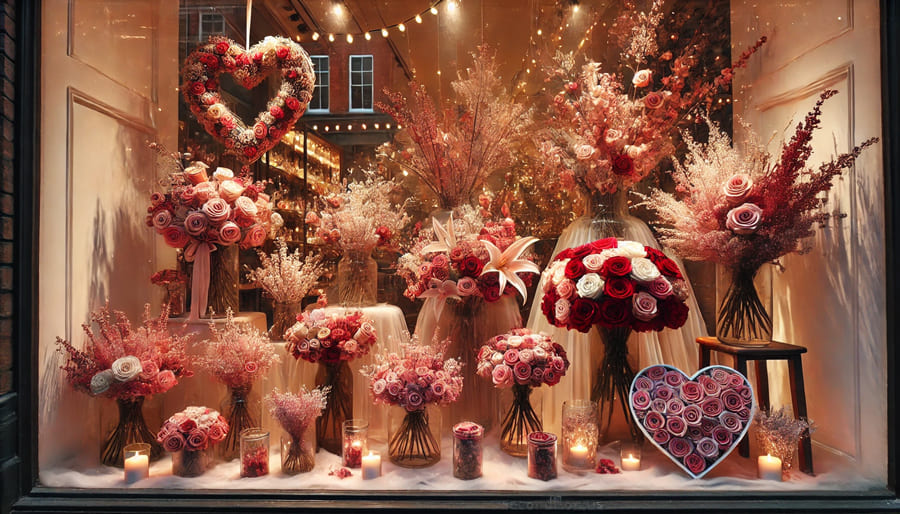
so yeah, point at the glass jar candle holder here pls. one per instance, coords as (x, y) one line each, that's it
(630, 455)
(580, 435)
(254, 452)
(355, 442)
(468, 450)
(137, 462)
(542, 455)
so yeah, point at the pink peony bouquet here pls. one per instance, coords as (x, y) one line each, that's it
(419, 376)
(193, 429)
(521, 357)
(330, 338)
(613, 284)
(238, 354)
(123, 362)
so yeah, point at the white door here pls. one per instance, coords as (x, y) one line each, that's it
(108, 86)
(832, 300)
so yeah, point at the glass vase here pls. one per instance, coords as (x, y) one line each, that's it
(611, 386)
(579, 435)
(189, 463)
(254, 452)
(223, 282)
(284, 315)
(468, 450)
(744, 299)
(355, 442)
(542, 456)
(520, 419)
(130, 428)
(357, 278)
(415, 439)
(298, 451)
(339, 406)
(608, 213)
(175, 298)
(242, 411)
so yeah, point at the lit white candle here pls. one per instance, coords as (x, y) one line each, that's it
(137, 467)
(578, 456)
(769, 467)
(631, 463)
(371, 465)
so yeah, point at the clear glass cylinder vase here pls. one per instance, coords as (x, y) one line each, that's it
(284, 315)
(542, 456)
(580, 435)
(522, 416)
(130, 428)
(744, 300)
(357, 278)
(611, 387)
(254, 452)
(414, 437)
(468, 450)
(298, 451)
(189, 463)
(355, 442)
(607, 213)
(339, 406)
(242, 408)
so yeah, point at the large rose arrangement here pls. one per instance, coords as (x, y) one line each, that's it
(193, 429)
(522, 358)
(614, 284)
(333, 338)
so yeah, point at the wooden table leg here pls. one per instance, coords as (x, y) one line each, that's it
(798, 396)
(762, 385)
(740, 365)
(704, 356)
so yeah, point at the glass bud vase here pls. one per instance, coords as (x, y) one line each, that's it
(611, 386)
(189, 463)
(223, 281)
(339, 406)
(284, 315)
(744, 299)
(254, 452)
(357, 278)
(579, 435)
(520, 419)
(414, 437)
(298, 451)
(242, 410)
(130, 428)
(175, 298)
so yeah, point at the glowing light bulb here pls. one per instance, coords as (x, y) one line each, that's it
(368, 36)
(349, 38)
(315, 36)
(451, 5)
(433, 11)
(384, 33)
(331, 37)
(418, 18)
(337, 9)
(401, 27)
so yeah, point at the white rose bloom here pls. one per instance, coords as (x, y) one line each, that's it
(515, 341)
(589, 286)
(223, 174)
(101, 381)
(126, 368)
(643, 270)
(631, 249)
(497, 358)
(558, 272)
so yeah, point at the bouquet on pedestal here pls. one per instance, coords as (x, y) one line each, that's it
(296, 413)
(743, 208)
(618, 286)
(237, 356)
(188, 434)
(129, 365)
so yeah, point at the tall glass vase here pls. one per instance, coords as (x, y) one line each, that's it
(520, 420)
(608, 213)
(298, 451)
(284, 315)
(339, 406)
(415, 439)
(744, 297)
(223, 281)
(242, 411)
(131, 428)
(611, 387)
(357, 278)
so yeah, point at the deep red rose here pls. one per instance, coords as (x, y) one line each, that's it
(580, 252)
(674, 312)
(619, 287)
(622, 164)
(292, 103)
(212, 85)
(222, 47)
(227, 122)
(575, 269)
(614, 313)
(491, 293)
(276, 112)
(282, 52)
(548, 305)
(583, 314)
(471, 266)
(565, 254)
(257, 56)
(332, 354)
(250, 151)
(668, 267)
(617, 266)
(197, 88)
(491, 279)
(604, 244)
(212, 63)
(654, 325)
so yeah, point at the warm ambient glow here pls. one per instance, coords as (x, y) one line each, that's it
(433, 11)
(401, 27)
(349, 38)
(451, 5)
(331, 37)
(418, 18)
(384, 33)
(368, 36)
(315, 36)
(337, 9)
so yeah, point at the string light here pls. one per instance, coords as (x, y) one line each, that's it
(384, 33)
(401, 27)
(433, 11)
(339, 10)
(418, 18)
(331, 37)
(349, 38)
(368, 36)
(315, 36)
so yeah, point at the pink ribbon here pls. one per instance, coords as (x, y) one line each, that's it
(440, 292)
(199, 253)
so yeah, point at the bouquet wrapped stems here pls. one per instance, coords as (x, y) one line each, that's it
(613, 382)
(131, 428)
(519, 421)
(413, 444)
(239, 414)
(339, 407)
(742, 316)
(296, 454)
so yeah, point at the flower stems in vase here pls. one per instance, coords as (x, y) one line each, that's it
(743, 318)
(519, 421)
(339, 406)
(613, 381)
(297, 455)
(131, 428)
(413, 445)
(239, 416)
(223, 281)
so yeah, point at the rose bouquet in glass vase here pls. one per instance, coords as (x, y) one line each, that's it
(743, 208)
(129, 365)
(238, 355)
(332, 341)
(188, 434)
(209, 218)
(287, 279)
(296, 414)
(522, 361)
(619, 287)
(410, 382)
(358, 220)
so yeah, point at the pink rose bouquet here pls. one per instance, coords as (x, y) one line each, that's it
(193, 429)
(330, 338)
(522, 358)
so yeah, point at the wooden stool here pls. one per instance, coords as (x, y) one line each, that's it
(773, 352)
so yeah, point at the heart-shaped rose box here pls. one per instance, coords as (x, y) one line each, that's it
(200, 87)
(697, 421)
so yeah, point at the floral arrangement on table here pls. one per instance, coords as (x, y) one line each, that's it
(200, 88)
(173, 281)
(332, 340)
(419, 376)
(452, 149)
(619, 287)
(607, 132)
(237, 355)
(744, 208)
(187, 434)
(128, 364)
(778, 434)
(296, 414)
(521, 360)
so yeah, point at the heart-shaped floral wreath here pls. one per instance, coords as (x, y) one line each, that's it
(250, 67)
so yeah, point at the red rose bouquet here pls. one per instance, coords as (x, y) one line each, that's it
(619, 286)
(521, 360)
(187, 434)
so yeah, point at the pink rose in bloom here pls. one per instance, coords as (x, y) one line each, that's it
(722, 436)
(440, 261)
(230, 233)
(561, 310)
(511, 357)
(676, 426)
(654, 421)
(175, 237)
(379, 386)
(744, 219)
(467, 286)
(251, 367)
(691, 392)
(643, 306)
(642, 78)
(584, 152)
(414, 401)
(157, 198)
(162, 219)
(216, 209)
(660, 288)
(612, 136)
(593, 262)
(187, 424)
(707, 448)
(661, 437)
(731, 421)
(673, 378)
(216, 432)
(674, 407)
(255, 236)
(526, 355)
(245, 207)
(643, 384)
(522, 371)
(653, 100)
(230, 190)
(196, 223)
(204, 191)
(188, 195)
(165, 380)
(197, 439)
(658, 405)
(711, 407)
(680, 447)
(737, 188)
(656, 373)
(394, 388)
(664, 393)
(640, 400)
(149, 370)
(692, 415)
(502, 375)
(735, 380)
(173, 442)
(695, 463)
(566, 289)
(710, 386)
(720, 376)
(260, 130)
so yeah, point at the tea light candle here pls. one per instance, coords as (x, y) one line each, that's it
(371, 465)
(631, 463)
(578, 456)
(769, 467)
(137, 467)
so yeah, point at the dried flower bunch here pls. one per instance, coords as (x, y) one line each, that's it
(738, 207)
(238, 354)
(778, 434)
(296, 412)
(453, 149)
(285, 276)
(122, 362)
